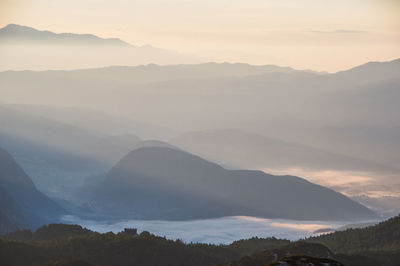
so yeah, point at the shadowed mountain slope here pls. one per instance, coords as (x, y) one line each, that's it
(159, 182)
(22, 205)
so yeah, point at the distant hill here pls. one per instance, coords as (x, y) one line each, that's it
(67, 152)
(371, 72)
(165, 183)
(22, 205)
(101, 122)
(242, 149)
(17, 33)
(49, 50)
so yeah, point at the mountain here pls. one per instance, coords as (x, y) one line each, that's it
(340, 122)
(339, 113)
(249, 150)
(90, 120)
(22, 205)
(17, 33)
(49, 50)
(371, 72)
(165, 183)
(58, 154)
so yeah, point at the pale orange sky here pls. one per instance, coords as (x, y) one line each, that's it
(313, 34)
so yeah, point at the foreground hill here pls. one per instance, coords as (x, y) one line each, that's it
(166, 183)
(371, 246)
(22, 205)
(384, 236)
(62, 244)
(281, 254)
(68, 244)
(82, 247)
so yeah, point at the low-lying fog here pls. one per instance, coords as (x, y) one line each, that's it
(223, 230)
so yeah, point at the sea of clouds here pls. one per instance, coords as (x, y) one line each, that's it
(215, 231)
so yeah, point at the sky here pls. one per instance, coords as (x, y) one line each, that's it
(306, 34)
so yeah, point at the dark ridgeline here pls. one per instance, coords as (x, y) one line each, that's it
(383, 236)
(371, 246)
(167, 183)
(73, 245)
(22, 205)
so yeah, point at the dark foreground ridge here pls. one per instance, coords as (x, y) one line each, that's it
(60, 244)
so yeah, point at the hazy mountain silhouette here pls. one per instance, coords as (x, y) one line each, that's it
(340, 113)
(22, 205)
(18, 33)
(248, 150)
(353, 121)
(58, 154)
(96, 121)
(370, 72)
(165, 183)
(44, 50)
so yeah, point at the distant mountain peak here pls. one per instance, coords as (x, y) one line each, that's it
(17, 33)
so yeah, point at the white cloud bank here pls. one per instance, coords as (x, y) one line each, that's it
(216, 231)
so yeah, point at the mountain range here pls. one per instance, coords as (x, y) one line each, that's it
(14, 33)
(339, 113)
(25, 47)
(339, 123)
